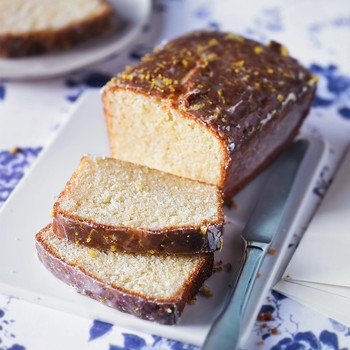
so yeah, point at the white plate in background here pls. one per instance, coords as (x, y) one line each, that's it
(28, 210)
(134, 13)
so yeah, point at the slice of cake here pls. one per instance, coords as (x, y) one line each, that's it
(209, 106)
(114, 205)
(39, 26)
(152, 287)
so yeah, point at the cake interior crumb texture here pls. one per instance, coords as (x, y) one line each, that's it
(21, 16)
(166, 140)
(160, 277)
(118, 193)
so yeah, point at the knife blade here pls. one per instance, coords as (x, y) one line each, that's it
(258, 233)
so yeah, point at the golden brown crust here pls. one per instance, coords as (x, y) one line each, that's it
(236, 87)
(180, 240)
(258, 152)
(161, 311)
(44, 41)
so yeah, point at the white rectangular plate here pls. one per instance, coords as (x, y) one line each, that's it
(28, 210)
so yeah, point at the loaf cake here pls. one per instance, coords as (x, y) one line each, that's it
(115, 205)
(39, 26)
(152, 287)
(210, 106)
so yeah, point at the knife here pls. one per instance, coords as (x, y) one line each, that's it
(258, 233)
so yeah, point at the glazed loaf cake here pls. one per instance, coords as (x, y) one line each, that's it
(115, 205)
(152, 287)
(209, 106)
(39, 26)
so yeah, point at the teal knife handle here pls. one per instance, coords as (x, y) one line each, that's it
(224, 334)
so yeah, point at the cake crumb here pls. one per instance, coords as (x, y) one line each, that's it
(265, 316)
(14, 150)
(272, 251)
(274, 331)
(217, 269)
(206, 291)
(217, 266)
(228, 267)
(232, 204)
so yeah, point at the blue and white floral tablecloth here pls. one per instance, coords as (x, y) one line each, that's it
(316, 32)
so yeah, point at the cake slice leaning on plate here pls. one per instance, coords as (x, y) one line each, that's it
(152, 287)
(114, 205)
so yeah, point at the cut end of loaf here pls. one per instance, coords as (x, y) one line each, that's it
(154, 287)
(165, 139)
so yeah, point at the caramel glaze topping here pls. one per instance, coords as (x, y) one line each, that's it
(232, 84)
